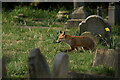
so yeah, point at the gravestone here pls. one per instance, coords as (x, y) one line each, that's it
(106, 57)
(77, 4)
(114, 13)
(118, 46)
(60, 66)
(92, 36)
(111, 13)
(117, 13)
(117, 72)
(78, 15)
(3, 71)
(99, 11)
(62, 14)
(38, 67)
(73, 23)
(95, 24)
(0, 69)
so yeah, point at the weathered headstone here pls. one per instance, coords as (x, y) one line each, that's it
(94, 24)
(106, 57)
(38, 67)
(111, 13)
(77, 4)
(60, 66)
(99, 11)
(78, 15)
(73, 23)
(114, 13)
(3, 71)
(62, 14)
(109, 57)
(92, 36)
(117, 46)
(1, 14)
(117, 13)
(117, 71)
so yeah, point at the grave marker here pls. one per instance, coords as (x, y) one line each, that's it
(92, 36)
(99, 11)
(106, 57)
(78, 15)
(38, 67)
(111, 13)
(114, 13)
(94, 24)
(117, 71)
(60, 66)
(3, 71)
(110, 58)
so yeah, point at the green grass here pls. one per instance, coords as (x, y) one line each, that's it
(17, 43)
(34, 17)
(16, 47)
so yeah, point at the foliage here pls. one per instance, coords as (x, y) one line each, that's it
(112, 37)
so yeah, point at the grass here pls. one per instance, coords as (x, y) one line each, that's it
(17, 43)
(34, 17)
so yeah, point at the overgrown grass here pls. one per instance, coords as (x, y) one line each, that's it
(17, 43)
(33, 17)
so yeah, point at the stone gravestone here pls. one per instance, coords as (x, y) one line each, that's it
(60, 66)
(71, 23)
(61, 15)
(117, 13)
(78, 15)
(106, 57)
(77, 4)
(95, 24)
(92, 36)
(117, 72)
(111, 13)
(38, 67)
(3, 71)
(99, 11)
(110, 58)
(114, 13)
(0, 69)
